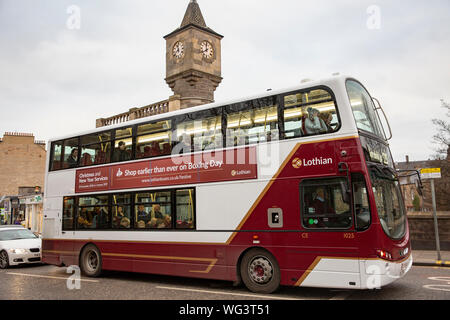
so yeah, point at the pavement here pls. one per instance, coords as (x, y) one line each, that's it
(430, 258)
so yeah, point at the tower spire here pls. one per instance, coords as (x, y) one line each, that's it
(193, 15)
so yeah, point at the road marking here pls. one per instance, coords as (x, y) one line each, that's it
(440, 287)
(230, 293)
(47, 277)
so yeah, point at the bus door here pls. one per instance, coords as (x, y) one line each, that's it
(329, 239)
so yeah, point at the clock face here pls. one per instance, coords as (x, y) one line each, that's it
(178, 50)
(207, 50)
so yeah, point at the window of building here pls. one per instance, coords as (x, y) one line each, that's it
(68, 213)
(154, 139)
(153, 210)
(93, 212)
(252, 122)
(123, 145)
(185, 209)
(56, 155)
(121, 211)
(325, 204)
(309, 113)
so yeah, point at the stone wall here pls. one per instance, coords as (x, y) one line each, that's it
(22, 162)
(421, 226)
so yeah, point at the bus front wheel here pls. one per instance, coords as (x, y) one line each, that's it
(91, 261)
(260, 271)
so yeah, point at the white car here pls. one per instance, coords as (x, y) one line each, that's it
(18, 246)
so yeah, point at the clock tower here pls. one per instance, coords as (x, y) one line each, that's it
(193, 61)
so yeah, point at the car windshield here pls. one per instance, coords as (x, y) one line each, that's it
(391, 211)
(16, 234)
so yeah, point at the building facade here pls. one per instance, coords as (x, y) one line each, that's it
(193, 68)
(22, 173)
(416, 202)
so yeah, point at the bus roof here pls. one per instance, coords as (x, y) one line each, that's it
(303, 85)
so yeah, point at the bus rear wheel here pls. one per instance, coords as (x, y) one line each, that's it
(91, 261)
(260, 271)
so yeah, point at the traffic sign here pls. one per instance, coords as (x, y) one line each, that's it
(430, 173)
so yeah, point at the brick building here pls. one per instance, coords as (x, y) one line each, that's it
(22, 162)
(22, 174)
(193, 68)
(442, 186)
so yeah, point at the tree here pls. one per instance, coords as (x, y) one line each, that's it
(442, 138)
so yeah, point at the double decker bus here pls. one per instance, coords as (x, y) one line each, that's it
(294, 187)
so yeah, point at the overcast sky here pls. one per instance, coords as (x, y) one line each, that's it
(56, 80)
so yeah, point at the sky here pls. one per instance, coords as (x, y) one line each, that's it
(63, 64)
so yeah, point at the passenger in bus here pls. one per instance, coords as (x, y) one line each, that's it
(209, 144)
(320, 202)
(184, 144)
(121, 154)
(165, 223)
(313, 123)
(157, 212)
(83, 220)
(102, 217)
(125, 223)
(327, 118)
(72, 160)
(143, 217)
(141, 224)
(301, 130)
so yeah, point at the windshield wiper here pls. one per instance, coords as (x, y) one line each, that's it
(381, 173)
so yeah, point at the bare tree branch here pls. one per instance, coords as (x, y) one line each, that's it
(442, 138)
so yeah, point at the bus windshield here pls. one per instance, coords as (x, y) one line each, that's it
(391, 211)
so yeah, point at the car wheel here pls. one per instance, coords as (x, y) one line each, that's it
(91, 261)
(260, 271)
(4, 260)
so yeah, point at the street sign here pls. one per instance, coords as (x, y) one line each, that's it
(433, 173)
(430, 173)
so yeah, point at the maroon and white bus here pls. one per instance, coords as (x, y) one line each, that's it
(294, 187)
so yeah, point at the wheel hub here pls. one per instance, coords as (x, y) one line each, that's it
(260, 270)
(92, 261)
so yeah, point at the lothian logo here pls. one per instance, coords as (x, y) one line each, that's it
(119, 173)
(298, 163)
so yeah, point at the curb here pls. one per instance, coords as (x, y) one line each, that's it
(436, 263)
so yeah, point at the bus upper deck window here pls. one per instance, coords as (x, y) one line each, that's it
(71, 153)
(154, 139)
(123, 145)
(252, 121)
(56, 155)
(309, 113)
